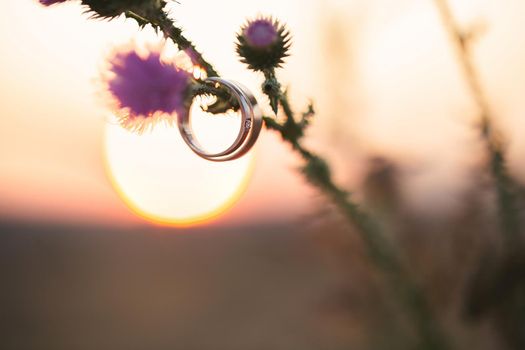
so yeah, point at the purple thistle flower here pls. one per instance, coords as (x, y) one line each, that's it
(261, 33)
(51, 2)
(146, 87)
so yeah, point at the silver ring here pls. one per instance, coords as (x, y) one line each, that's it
(251, 125)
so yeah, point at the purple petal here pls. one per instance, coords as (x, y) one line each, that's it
(146, 86)
(261, 33)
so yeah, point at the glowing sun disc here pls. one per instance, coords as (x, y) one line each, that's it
(163, 181)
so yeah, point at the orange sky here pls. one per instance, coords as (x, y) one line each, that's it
(400, 94)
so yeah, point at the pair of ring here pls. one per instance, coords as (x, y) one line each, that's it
(251, 124)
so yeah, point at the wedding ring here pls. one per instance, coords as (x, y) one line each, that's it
(251, 124)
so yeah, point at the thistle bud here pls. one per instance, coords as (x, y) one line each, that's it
(263, 44)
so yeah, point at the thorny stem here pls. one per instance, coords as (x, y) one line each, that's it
(165, 24)
(505, 186)
(379, 249)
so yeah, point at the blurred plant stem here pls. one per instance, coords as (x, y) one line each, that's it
(497, 284)
(505, 187)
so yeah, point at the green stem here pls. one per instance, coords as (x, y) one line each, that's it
(379, 249)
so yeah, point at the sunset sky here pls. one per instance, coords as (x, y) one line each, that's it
(399, 93)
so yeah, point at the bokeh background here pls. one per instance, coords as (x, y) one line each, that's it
(280, 269)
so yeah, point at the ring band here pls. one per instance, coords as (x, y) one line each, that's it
(251, 125)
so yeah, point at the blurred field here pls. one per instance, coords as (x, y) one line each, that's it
(67, 287)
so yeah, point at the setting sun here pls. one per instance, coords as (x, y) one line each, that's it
(161, 180)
